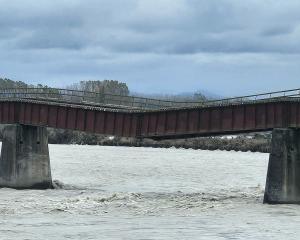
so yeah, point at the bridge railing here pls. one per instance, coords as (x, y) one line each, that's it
(257, 97)
(75, 96)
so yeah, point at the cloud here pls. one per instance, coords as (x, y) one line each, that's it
(278, 31)
(166, 27)
(134, 39)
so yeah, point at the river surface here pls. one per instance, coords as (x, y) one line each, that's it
(147, 193)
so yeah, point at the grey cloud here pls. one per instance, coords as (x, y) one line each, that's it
(39, 27)
(211, 26)
(190, 27)
(43, 39)
(140, 40)
(277, 31)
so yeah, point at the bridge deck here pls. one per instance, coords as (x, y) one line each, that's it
(176, 122)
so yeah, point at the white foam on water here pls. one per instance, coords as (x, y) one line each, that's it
(145, 193)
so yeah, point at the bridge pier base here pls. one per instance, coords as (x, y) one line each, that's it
(283, 177)
(24, 161)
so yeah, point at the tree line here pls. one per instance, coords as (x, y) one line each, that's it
(106, 86)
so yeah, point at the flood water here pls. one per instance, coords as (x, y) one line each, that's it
(146, 193)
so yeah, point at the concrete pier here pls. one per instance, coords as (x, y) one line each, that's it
(283, 177)
(24, 161)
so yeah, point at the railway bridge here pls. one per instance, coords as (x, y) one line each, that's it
(25, 162)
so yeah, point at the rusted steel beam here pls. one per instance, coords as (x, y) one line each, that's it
(168, 123)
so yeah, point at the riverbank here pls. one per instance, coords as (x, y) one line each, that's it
(244, 143)
(258, 142)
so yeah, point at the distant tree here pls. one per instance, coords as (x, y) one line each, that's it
(47, 91)
(8, 83)
(105, 86)
(44, 90)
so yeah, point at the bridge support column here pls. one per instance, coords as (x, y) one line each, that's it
(24, 161)
(283, 177)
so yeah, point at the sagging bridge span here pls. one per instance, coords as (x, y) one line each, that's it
(24, 159)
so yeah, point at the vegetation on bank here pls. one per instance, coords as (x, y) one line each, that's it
(254, 143)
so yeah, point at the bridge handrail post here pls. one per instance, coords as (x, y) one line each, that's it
(104, 98)
(98, 97)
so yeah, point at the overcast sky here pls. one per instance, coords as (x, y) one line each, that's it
(227, 47)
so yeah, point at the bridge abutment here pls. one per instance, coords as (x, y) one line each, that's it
(283, 177)
(24, 161)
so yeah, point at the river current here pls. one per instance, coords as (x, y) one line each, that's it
(147, 193)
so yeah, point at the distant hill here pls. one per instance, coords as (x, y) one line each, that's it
(181, 97)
